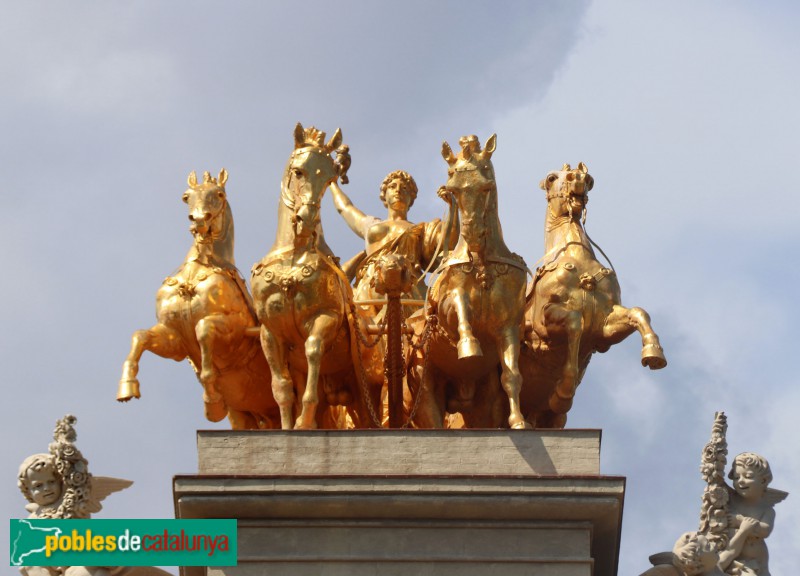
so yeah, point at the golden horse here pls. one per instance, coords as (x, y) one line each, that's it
(575, 310)
(203, 312)
(305, 303)
(473, 330)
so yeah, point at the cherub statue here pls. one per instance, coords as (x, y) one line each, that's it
(752, 515)
(734, 521)
(58, 485)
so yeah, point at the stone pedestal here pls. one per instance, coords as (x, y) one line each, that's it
(417, 502)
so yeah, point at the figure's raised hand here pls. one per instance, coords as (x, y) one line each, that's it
(342, 162)
(445, 195)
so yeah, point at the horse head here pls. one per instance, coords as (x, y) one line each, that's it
(567, 190)
(394, 275)
(309, 172)
(471, 180)
(211, 218)
(207, 201)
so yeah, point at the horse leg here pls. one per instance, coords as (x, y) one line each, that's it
(422, 385)
(242, 420)
(322, 332)
(549, 419)
(210, 332)
(571, 322)
(511, 378)
(468, 345)
(160, 340)
(282, 387)
(622, 322)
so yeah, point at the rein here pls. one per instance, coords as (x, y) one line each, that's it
(568, 220)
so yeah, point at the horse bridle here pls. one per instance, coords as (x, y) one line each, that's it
(212, 235)
(561, 194)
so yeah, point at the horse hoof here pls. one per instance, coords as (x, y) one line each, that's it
(300, 425)
(128, 388)
(216, 411)
(653, 357)
(523, 425)
(560, 405)
(468, 347)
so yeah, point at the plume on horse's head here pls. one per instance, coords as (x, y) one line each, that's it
(470, 149)
(208, 181)
(311, 137)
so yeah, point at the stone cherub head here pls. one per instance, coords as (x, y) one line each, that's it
(40, 482)
(58, 484)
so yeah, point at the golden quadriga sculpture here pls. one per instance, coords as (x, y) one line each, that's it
(304, 303)
(735, 520)
(486, 347)
(575, 308)
(472, 331)
(204, 312)
(58, 485)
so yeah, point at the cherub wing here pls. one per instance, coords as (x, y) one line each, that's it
(102, 486)
(774, 496)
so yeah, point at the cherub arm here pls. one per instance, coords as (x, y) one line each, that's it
(354, 217)
(748, 527)
(762, 527)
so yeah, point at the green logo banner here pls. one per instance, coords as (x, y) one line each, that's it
(123, 542)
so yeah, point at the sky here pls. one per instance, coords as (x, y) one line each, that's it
(682, 110)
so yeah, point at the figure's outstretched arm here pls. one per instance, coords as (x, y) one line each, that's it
(441, 237)
(353, 216)
(452, 226)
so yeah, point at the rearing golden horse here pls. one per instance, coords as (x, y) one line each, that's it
(576, 307)
(204, 311)
(476, 306)
(305, 303)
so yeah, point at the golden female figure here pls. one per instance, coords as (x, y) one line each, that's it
(417, 243)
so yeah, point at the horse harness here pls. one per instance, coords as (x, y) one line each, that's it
(588, 282)
(487, 269)
(187, 289)
(287, 277)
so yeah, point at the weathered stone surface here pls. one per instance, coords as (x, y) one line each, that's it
(390, 503)
(408, 452)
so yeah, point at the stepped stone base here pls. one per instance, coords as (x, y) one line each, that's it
(419, 502)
